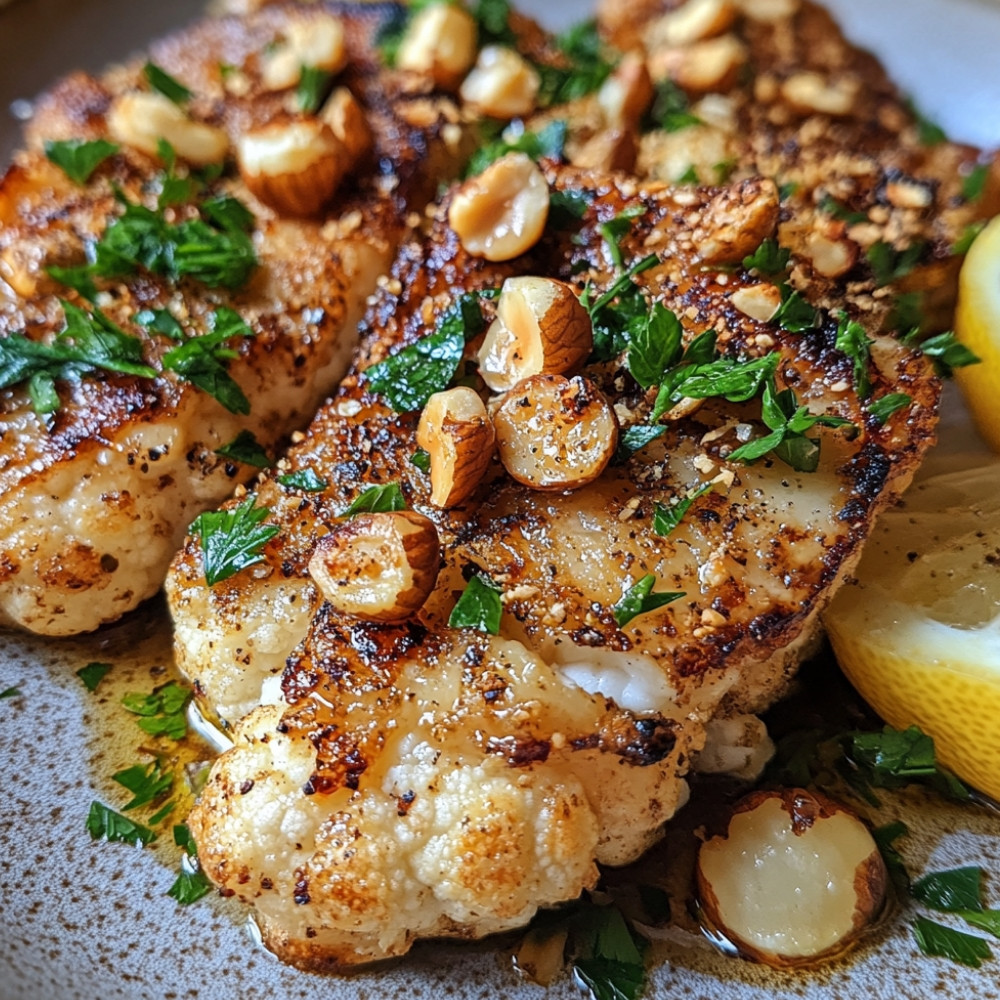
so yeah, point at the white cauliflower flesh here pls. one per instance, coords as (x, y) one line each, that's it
(424, 785)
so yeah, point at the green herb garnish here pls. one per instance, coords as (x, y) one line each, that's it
(833, 207)
(377, 500)
(549, 141)
(493, 20)
(247, 449)
(665, 518)
(11, 692)
(768, 259)
(951, 891)
(103, 822)
(162, 712)
(929, 133)
(146, 783)
(422, 460)
(945, 942)
(92, 675)
(165, 84)
(969, 235)
(856, 344)
(232, 540)
(885, 838)
(889, 265)
(884, 407)
(639, 598)
(611, 962)
(78, 158)
(588, 65)
(670, 110)
(314, 83)
(479, 607)
(795, 314)
(945, 351)
(305, 480)
(974, 182)
(189, 886)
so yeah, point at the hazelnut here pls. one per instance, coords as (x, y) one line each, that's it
(456, 432)
(830, 257)
(759, 302)
(317, 42)
(555, 433)
(502, 84)
(540, 327)
(347, 120)
(142, 119)
(812, 93)
(501, 214)
(693, 21)
(702, 67)
(294, 167)
(627, 92)
(440, 41)
(379, 566)
(607, 150)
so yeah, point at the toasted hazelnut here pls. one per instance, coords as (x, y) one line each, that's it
(831, 257)
(501, 213)
(502, 84)
(627, 92)
(143, 119)
(293, 166)
(317, 42)
(693, 21)
(456, 432)
(440, 41)
(702, 67)
(609, 149)
(540, 327)
(555, 433)
(812, 93)
(908, 193)
(379, 566)
(770, 10)
(347, 119)
(759, 302)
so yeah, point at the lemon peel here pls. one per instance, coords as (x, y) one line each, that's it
(918, 634)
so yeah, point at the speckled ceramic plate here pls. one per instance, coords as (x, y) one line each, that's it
(80, 919)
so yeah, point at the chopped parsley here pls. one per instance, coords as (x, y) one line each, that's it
(87, 343)
(567, 206)
(856, 344)
(639, 598)
(670, 110)
(313, 86)
(247, 449)
(11, 692)
(690, 176)
(160, 321)
(885, 406)
(974, 182)
(636, 437)
(951, 891)
(77, 158)
(202, 360)
(162, 712)
(165, 84)
(233, 539)
(479, 607)
(493, 20)
(885, 838)
(549, 141)
(794, 314)
(305, 479)
(889, 265)
(586, 64)
(769, 259)
(944, 350)
(611, 959)
(377, 500)
(831, 206)
(665, 518)
(618, 310)
(654, 346)
(192, 883)
(969, 235)
(422, 460)
(92, 675)
(147, 783)
(986, 920)
(105, 823)
(945, 942)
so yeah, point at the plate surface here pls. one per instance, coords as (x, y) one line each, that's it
(81, 920)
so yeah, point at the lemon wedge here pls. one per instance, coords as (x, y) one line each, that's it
(977, 325)
(919, 633)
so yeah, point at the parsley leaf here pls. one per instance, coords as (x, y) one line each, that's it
(856, 344)
(11, 692)
(889, 265)
(89, 342)
(377, 499)
(665, 518)
(192, 884)
(769, 258)
(233, 539)
(670, 110)
(162, 712)
(146, 783)
(78, 158)
(160, 321)
(885, 406)
(163, 82)
(654, 346)
(613, 320)
(987, 920)
(228, 213)
(92, 675)
(103, 822)
(639, 598)
(969, 235)
(422, 460)
(611, 963)
(479, 607)
(945, 942)
(884, 837)
(690, 176)
(567, 206)
(636, 437)
(312, 88)
(974, 182)
(493, 20)
(587, 66)
(830, 205)
(549, 141)
(247, 449)
(305, 480)
(946, 352)
(951, 891)
(201, 360)
(794, 314)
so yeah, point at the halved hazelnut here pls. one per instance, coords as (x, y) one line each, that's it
(555, 433)
(501, 214)
(708, 66)
(294, 166)
(830, 256)
(759, 302)
(795, 877)
(440, 41)
(381, 567)
(456, 432)
(627, 92)
(810, 92)
(609, 149)
(502, 84)
(693, 21)
(347, 119)
(142, 119)
(540, 327)
(317, 42)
